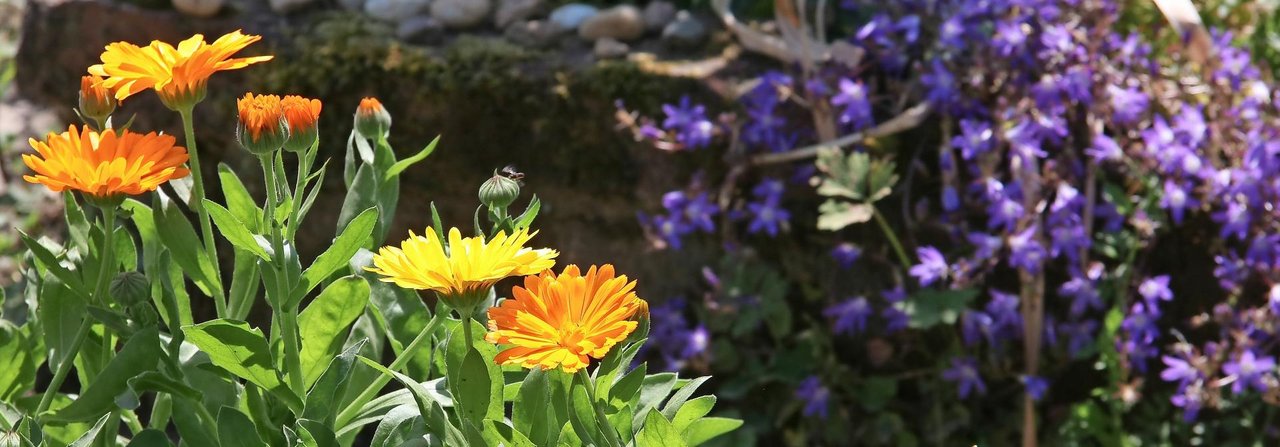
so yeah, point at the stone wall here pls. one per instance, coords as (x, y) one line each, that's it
(549, 110)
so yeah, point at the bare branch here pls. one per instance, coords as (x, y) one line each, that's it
(752, 39)
(907, 120)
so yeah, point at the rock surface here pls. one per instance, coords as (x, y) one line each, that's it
(394, 10)
(460, 13)
(512, 11)
(422, 30)
(608, 48)
(572, 15)
(686, 31)
(199, 8)
(534, 33)
(658, 14)
(288, 6)
(619, 22)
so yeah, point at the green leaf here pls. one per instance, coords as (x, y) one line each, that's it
(529, 411)
(438, 423)
(499, 433)
(50, 263)
(614, 366)
(626, 391)
(469, 375)
(654, 389)
(187, 250)
(237, 430)
(834, 215)
(61, 312)
(324, 323)
(325, 399)
(353, 237)
(191, 429)
(20, 357)
(234, 230)
(77, 223)
(401, 425)
(242, 351)
(150, 438)
(930, 307)
(90, 437)
(703, 430)
(876, 392)
(658, 432)
(680, 397)
(361, 195)
(239, 202)
(473, 388)
(525, 219)
(315, 434)
(692, 411)
(582, 415)
(438, 225)
(401, 315)
(401, 165)
(140, 354)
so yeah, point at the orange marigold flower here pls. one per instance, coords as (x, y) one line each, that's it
(106, 164)
(96, 101)
(372, 120)
(558, 321)
(178, 74)
(262, 127)
(302, 115)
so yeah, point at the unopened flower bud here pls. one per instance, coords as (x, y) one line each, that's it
(129, 288)
(302, 115)
(262, 128)
(499, 191)
(96, 101)
(372, 120)
(143, 314)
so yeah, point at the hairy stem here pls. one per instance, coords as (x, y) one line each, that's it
(602, 421)
(197, 205)
(287, 315)
(401, 360)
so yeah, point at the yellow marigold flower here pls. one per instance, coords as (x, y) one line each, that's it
(107, 164)
(462, 275)
(262, 127)
(302, 115)
(96, 101)
(558, 321)
(179, 75)
(372, 119)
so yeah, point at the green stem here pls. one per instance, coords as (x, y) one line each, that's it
(304, 168)
(401, 360)
(99, 290)
(893, 239)
(131, 420)
(161, 411)
(287, 315)
(197, 204)
(602, 421)
(64, 367)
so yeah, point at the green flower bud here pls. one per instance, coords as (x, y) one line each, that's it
(372, 119)
(130, 288)
(499, 191)
(143, 315)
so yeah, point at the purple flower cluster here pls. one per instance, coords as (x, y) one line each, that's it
(684, 215)
(676, 339)
(1068, 151)
(767, 214)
